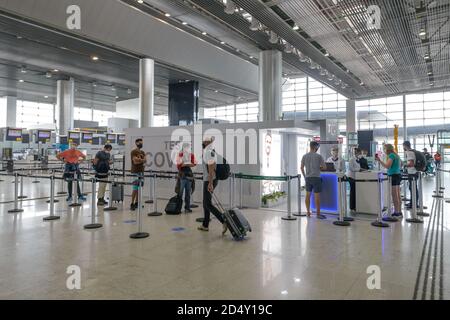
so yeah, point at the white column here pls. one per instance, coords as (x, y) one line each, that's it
(11, 111)
(146, 92)
(65, 96)
(270, 72)
(350, 116)
(405, 129)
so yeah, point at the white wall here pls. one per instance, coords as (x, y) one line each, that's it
(128, 109)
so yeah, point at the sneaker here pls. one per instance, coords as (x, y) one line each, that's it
(69, 199)
(321, 217)
(202, 228)
(397, 214)
(82, 198)
(133, 206)
(225, 229)
(100, 202)
(187, 211)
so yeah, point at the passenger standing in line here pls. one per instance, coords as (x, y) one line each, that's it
(72, 158)
(138, 160)
(101, 163)
(338, 162)
(437, 159)
(185, 162)
(353, 167)
(393, 164)
(210, 160)
(311, 165)
(412, 172)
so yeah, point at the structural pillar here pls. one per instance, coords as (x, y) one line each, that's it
(65, 96)
(146, 92)
(405, 128)
(350, 116)
(270, 73)
(11, 111)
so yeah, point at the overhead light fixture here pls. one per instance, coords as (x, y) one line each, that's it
(302, 57)
(94, 84)
(222, 42)
(430, 73)
(113, 88)
(21, 80)
(295, 27)
(55, 70)
(129, 91)
(337, 82)
(426, 56)
(204, 33)
(95, 58)
(288, 48)
(140, 1)
(216, 91)
(184, 23)
(19, 37)
(431, 83)
(117, 97)
(48, 75)
(251, 57)
(361, 83)
(422, 32)
(273, 37)
(323, 72)
(327, 54)
(230, 7)
(344, 85)
(330, 77)
(23, 70)
(312, 65)
(254, 25)
(46, 97)
(167, 14)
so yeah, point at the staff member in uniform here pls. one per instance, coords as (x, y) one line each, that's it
(393, 164)
(338, 162)
(353, 167)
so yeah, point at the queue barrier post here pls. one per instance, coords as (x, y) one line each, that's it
(150, 189)
(414, 219)
(110, 206)
(63, 188)
(155, 212)
(379, 222)
(230, 191)
(389, 217)
(16, 195)
(52, 200)
(299, 197)
(140, 234)
(421, 211)
(342, 203)
(93, 224)
(21, 196)
(289, 216)
(344, 195)
(75, 202)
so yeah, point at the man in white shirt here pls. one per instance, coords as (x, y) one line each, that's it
(412, 172)
(353, 167)
(337, 161)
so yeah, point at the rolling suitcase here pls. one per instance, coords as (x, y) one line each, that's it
(235, 220)
(117, 192)
(174, 205)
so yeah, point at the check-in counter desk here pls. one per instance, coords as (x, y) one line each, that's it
(367, 196)
(329, 198)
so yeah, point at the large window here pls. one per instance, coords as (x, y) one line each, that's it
(30, 114)
(247, 112)
(220, 113)
(84, 114)
(102, 117)
(294, 96)
(161, 120)
(3, 108)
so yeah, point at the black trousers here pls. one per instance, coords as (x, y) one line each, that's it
(352, 193)
(208, 207)
(413, 183)
(69, 178)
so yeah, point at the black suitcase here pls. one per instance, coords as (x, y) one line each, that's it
(117, 192)
(235, 220)
(174, 205)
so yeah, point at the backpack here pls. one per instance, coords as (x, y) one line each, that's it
(223, 170)
(420, 163)
(102, 167)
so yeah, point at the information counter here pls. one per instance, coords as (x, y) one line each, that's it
(367, 197)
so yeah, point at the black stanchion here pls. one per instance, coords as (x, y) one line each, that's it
(421, 206)
(414, 218)
(139, 234)
(21, 196)
(75, 202)
(379, 222)
(16, 195)
(93, 224)
(289, 216)
(150, 188)
(52, 216)
(342, 198)
(155, 212)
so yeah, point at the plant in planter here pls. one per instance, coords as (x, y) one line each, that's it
(272, 197)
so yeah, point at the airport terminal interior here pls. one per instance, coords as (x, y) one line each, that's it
(111, 111)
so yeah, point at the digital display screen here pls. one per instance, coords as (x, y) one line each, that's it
(121, 139)
(96, 141)
(87, 137)
(111, 138)
(63, 140)
(74, 135)
(26, 138)
(14, 135)
(44, 134)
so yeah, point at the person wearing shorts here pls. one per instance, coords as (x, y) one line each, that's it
(138, 160)
(393, 164)
(311, 165)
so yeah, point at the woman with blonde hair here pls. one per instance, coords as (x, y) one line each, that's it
(393, 164)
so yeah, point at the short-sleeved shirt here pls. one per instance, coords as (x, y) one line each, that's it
(396, 166)
(210, 157)
(72, 156)
(312, 162)
(137, 168)
(103, 156)
(410, 155)
(182, 160)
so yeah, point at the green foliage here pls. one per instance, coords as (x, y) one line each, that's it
(272, 196)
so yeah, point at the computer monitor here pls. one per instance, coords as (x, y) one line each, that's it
(330, 167)
(44, 136)
(14, 134)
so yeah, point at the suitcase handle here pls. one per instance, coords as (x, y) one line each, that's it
(219, 204)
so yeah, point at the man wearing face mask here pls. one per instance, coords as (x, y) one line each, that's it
(353, 167)
(338, 162)
(363, 163)
(101, 164)
(72, 158)
(138, 161)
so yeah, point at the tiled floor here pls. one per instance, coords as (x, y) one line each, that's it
(303, 259)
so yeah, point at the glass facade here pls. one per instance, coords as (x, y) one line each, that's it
(31, 114)
(2, 112)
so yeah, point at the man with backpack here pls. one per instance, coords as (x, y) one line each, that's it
(101, 164)
(415, 162)
(215, 168)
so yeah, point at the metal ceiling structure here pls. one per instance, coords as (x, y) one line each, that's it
(409, 52)
(114, 77)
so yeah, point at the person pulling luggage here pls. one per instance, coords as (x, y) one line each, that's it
(101, 164)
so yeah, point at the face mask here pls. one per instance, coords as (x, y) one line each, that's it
(334, 154)
(359, 156)
(139, 145)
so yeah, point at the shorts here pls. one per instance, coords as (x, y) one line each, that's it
(313, 183)
(136, 181)
(396, 179)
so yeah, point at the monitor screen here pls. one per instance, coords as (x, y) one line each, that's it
(96, 141)
(111, 138)
(87, 137)
(44, 134)
(26, 138)
(14, 134)
(63, 140)
(74, 135)
(121, 139)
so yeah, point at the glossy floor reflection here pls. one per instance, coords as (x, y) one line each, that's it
(303, 259)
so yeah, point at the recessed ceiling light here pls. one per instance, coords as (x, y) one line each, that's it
(113, 88)
(140, 1)
(48, 75)
(95, 58)
(204, 33)
(167, 14)
(216, 91)
(129, 91)
(20, 80)
(361, 83)
(284, 292)
(327, 54)
(19, 37)
(117, 97)
(431, 84)
(222, 42)
(427, 56)
(422, 33)
(55, 70)
(251, 57)
(94, 84)
(430, 73)
(295, 27)
(184, 23)
(46, 97)
(23, 70)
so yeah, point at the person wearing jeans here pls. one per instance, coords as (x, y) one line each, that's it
(72, 158)
(185, 162)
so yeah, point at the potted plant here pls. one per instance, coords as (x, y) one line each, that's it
(273, 199)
